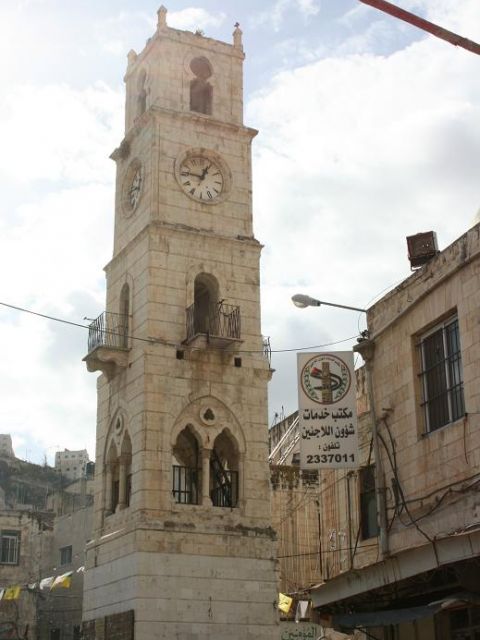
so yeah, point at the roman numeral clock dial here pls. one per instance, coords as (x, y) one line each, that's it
(202, 178)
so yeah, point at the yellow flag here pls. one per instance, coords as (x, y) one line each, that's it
(65, 580)
(12, 593)
(284, 602)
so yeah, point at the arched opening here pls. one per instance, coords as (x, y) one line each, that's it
(141, 93)
(224, 471)
(201, 91)
(186, 468)
(124, 314)
(125, 473)
(111, 479)
(205, 303)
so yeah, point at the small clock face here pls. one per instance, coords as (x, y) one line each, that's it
(132, 187)
(135, 189)
(201, 178)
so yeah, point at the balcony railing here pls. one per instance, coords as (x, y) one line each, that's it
(216, 321)
(108, 330)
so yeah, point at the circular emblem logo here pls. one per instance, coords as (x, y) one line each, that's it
(325, 379)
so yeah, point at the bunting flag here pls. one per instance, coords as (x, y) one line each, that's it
(81, 570)
(12, 593)
(46, 583)
(284, 602)
(64, 581)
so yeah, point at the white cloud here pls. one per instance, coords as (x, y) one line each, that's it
(355, 153)
(55, 132)
(193, 18)
(276, 14)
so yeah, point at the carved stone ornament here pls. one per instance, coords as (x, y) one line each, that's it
(207, 416)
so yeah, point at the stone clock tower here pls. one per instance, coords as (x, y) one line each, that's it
(182, 544)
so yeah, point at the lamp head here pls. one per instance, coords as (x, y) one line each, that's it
(302, 301)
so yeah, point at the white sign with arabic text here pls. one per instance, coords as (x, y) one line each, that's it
(327, 411)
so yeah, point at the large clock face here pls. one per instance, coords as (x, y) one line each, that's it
(201, 178)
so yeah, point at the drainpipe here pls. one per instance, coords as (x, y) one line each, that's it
(366, 348)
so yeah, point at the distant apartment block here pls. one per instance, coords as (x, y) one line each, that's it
(71, 464)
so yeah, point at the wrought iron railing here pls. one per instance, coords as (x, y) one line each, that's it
(108, 330)
(185, 484)
(219, 320)
(225, 494)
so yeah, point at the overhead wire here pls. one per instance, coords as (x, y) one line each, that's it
(161, 340)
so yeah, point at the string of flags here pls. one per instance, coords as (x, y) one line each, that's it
(63, 581)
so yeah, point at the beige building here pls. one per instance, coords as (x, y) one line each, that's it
(21, 547)
(6, 448)
(413, 571)
(182, 544)
(72, 464)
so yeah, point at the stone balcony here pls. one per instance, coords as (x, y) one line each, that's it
(108, 344)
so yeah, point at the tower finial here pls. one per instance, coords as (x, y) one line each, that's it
(162, 18)
(237, 36)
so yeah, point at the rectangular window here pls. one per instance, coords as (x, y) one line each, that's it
(10, 547)
(66, 555)
(441, 375)
(368, 503)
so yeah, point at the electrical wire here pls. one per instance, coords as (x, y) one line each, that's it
(315, 553)
(166, 342)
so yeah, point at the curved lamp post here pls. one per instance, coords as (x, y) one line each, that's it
(302, 301)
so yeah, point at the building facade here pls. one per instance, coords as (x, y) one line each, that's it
(6, 448)
(182, 543)
(72, 464)
(418, 504)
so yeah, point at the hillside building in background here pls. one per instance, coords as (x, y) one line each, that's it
(6, 448)
(182, 543)
(72, 464)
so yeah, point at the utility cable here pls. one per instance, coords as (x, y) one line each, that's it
(166, 342)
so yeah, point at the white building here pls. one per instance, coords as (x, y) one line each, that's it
(71, 464)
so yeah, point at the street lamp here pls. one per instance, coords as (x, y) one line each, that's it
(302, 301)
(366, 348)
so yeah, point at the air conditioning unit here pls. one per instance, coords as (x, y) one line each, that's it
(422, 247)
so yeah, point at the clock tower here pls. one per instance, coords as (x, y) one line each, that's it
(182, 544)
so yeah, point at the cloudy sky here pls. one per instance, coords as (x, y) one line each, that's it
(369, 132)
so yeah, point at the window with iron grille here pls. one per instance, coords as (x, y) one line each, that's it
(441, 375)
(368, 503)
(10, 547)
(185, 484)
(66, 555)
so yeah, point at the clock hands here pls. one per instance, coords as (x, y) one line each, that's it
(200, 177)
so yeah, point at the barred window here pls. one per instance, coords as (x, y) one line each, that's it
(441, 375)
(10, 547)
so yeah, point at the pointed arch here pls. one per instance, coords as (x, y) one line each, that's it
(205, 299)
(124, 312)
(224, 470)
(201, 91)
(186, 471)
(141, 93)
